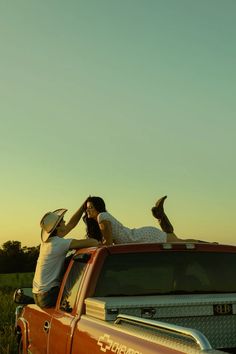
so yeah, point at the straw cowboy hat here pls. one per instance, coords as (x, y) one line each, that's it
(50, 221)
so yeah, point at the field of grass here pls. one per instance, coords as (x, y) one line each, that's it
(16, 280)
(8, 284)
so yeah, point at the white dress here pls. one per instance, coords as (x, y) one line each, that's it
(122, 234)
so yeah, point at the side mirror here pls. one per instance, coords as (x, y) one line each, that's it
(23, 296)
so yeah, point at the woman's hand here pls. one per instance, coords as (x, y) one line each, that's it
(85, 203)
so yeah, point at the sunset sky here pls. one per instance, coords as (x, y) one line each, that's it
(126, 99)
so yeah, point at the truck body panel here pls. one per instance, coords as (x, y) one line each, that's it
(114, 299)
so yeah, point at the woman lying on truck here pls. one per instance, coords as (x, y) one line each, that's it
(52, 254)
(111, 231)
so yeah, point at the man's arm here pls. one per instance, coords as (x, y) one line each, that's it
(74, 220)
(90, 242)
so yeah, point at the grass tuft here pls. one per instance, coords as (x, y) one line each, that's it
(8, 284)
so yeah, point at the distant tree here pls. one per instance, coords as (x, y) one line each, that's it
(11, 247)
(14, 258)
(31, 255)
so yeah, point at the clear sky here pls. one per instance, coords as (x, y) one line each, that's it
(126, 99)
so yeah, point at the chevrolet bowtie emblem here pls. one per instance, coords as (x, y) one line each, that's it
(105, 342)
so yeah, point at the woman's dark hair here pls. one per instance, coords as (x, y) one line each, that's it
(98, 203)
(93, 229)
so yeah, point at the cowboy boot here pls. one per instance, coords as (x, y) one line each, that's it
(158, 209)
(158, 213)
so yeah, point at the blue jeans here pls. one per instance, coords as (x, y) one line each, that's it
(47, 299)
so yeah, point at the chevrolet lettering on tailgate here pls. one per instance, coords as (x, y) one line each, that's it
(106, 343)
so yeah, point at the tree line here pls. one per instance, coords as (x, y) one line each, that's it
(16, 259)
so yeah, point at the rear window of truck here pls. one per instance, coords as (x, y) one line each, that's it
(189, 272)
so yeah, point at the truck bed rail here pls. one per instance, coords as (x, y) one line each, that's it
(193, 334)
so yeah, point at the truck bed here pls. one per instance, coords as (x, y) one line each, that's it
(214, 315)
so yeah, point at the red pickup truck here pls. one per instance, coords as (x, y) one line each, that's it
(138, 299)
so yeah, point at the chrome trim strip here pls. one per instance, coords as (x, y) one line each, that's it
(196, 335)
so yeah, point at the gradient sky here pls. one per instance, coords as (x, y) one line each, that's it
(126, 99)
